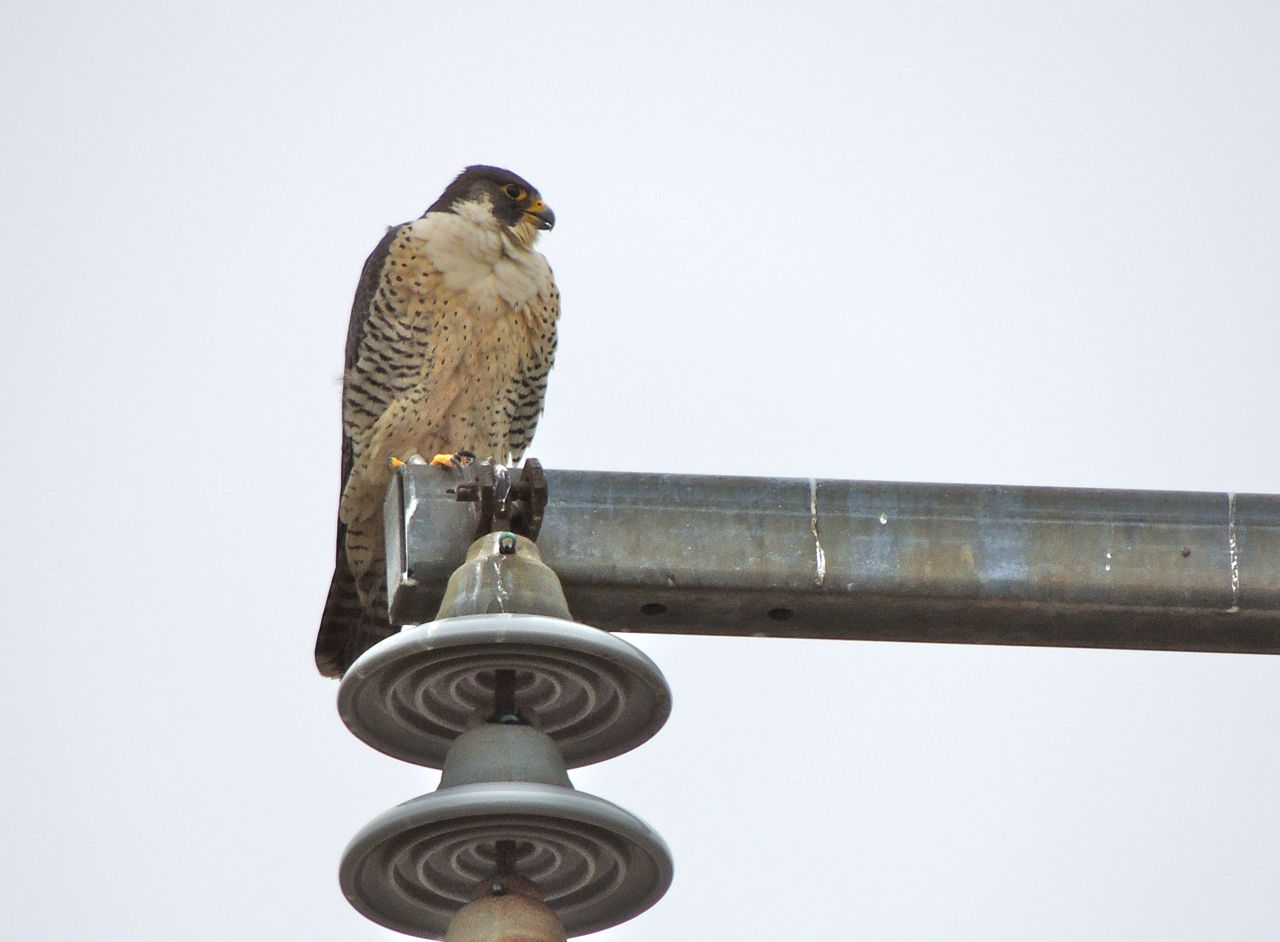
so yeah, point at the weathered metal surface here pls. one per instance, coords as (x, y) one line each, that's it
(798, 558)
(509, 917)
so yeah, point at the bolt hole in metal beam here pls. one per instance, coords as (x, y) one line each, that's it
(653, 608)
(780, 614)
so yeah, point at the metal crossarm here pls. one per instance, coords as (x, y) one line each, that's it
(797, 558)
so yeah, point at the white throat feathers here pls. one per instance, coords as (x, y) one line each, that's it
(483, 259)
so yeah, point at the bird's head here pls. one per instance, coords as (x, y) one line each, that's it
(499, 196)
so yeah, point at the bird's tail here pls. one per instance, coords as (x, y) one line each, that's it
(349, 627)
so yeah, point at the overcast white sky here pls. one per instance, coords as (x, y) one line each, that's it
(977, 242)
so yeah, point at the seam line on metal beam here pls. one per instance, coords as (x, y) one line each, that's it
(1233, 552)
(819, 556)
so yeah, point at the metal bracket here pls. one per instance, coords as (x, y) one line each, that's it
(434, 513)
(517, 507)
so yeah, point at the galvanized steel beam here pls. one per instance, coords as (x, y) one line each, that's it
(795, 558)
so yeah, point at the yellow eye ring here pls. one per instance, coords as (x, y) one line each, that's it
(515, 192)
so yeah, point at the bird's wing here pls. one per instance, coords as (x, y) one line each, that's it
(361, 310)
(347, 627)
(534, 368)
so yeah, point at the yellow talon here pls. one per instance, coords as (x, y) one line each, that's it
(457, 460)
(393, 463)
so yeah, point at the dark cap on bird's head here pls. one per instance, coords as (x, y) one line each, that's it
(513, 200)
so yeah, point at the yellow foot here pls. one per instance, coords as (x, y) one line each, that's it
(458, 459)
(393, 462)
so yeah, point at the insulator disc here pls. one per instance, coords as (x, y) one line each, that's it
(595, 695)
(414, 866)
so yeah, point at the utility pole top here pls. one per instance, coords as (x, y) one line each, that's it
(803, 558)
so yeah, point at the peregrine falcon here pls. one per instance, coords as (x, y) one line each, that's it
(453, 332)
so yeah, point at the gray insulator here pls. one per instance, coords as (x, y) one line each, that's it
(496, 578)
(596, 865)
(497, 752)
(594, 694)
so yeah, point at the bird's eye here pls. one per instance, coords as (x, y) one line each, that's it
(515, 192)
